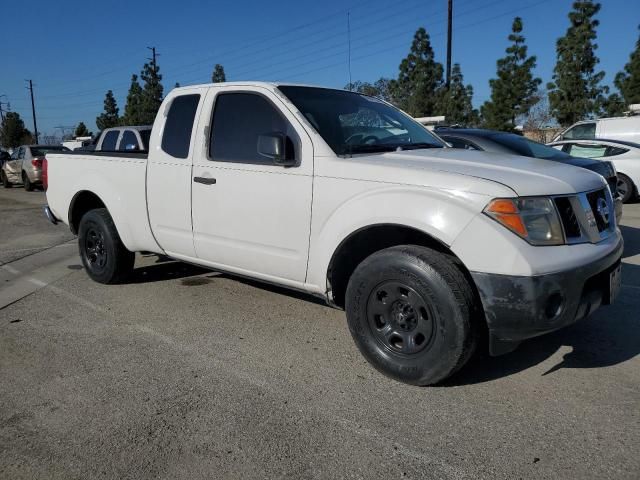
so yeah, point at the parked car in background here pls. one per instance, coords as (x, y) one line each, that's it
(511, 143)
(25, 165)
(624, 155)
(616, 128)
(134, 138)
(424, 246)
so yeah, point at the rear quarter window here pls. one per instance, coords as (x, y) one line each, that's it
(176, 136)
(110, 140)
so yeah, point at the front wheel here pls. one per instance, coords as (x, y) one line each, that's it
(411, 313)
(5, 181)
(103, 254)
(626, 189)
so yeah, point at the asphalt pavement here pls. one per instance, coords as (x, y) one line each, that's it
(186, 373)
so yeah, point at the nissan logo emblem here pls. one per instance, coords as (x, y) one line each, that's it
(603, 209)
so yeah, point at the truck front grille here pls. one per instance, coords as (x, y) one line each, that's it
(568, 218)
(587, 217)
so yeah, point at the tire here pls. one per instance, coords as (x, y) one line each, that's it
(626, 188)
(5, 181)
(28, 186)
(105, 258)
(411, 312)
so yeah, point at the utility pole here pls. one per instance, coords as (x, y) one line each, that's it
(449, 25)
(153, 58)
(33, 110)
(1, 109)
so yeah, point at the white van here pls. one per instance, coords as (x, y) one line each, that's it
(615, 128)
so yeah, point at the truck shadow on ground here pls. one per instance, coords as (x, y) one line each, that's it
(609, 337)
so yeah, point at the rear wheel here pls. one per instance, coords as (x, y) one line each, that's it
(103, 254)
(28, 186)
(5, 180)
(626, 189)
(411, 313)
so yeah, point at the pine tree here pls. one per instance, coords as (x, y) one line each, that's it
(455, 103)
(132, 109)
(109, 118)
(218, 75)
(151, 93)
(82, 131)
(419, 78)
(13, 132)
(379, 89)
(614, 105)
(575, 92)
(628, 81)
(513, 93)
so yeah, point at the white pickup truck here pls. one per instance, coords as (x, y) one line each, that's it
(347, 198)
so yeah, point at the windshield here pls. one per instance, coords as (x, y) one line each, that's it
(352, 123)
(528, 148)
(42, 151)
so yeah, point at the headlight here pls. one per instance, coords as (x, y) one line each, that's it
(533, 218)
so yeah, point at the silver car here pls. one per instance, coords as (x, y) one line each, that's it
(25, 165)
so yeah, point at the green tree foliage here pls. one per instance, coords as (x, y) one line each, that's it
(628, 81)
(513, 93)
(614, 105)
(420, 78)
(151, 93)
(82, 130)
(575, 92)
(218, 75)
(109, 118)
(379, 89)
(133, 107)
(13, 132)
(455, 103)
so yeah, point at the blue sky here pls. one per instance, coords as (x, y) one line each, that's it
(76, 51)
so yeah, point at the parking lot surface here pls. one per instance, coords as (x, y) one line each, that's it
(187, 373)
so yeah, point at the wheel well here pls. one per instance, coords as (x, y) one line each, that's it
(82, 202)
(364, 242)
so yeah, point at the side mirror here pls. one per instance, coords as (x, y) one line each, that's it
(273, 146)
(130, 147)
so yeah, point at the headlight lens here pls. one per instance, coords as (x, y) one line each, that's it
(533, 218)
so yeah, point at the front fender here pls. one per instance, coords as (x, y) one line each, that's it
(442, 214)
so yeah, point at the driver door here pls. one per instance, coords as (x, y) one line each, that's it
(251, 216)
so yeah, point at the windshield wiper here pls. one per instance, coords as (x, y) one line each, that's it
(376, 148)
(419, 145)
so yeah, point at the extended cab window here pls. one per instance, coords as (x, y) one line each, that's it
(238, 120)
(581, 131)
(179, 125)
(110, 140)
(129, 142)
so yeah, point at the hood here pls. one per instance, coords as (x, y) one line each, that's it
(525, 176)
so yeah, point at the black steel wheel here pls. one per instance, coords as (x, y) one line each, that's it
(401, 320)
(104, 256)
(413, 313)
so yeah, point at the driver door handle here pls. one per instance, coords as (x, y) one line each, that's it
(205, 180)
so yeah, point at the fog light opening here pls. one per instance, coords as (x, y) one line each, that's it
(555, 304)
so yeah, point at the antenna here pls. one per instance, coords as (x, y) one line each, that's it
(349, 41)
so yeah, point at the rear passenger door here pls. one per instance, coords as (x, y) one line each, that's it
(251, 216)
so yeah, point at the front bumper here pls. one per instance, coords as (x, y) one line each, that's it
(517, 307)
